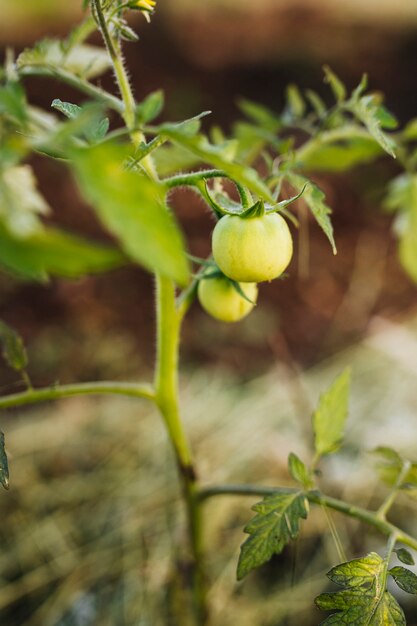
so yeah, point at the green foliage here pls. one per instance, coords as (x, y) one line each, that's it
(276, 522)
(315, 200)
(132, 208)
(336, 85)
(402, 198)
(13, 349)
(51, 252)
(299, 471)
(93, 132)
(404, 556)
(330, 416)
(150, 107)
(364, 601)
(391, 466)
(406, 580)
(83, 60)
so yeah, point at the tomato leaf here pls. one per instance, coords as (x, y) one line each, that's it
(150, 107)
(404, 556)
(21, 204)
(13, 348)
(260, 114)
(299, 471)
(330, 416)
(338, 88)
(406, 580)
(369, 112)
(314, 198)
(50, 251)
(82, 60)
(365, 600)
(131, 207)
(391, 464)
(276, 522)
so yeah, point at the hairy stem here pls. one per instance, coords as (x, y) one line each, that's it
(33, 396)
(166, 385)
(315, 497)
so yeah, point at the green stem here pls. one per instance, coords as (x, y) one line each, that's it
(369, 517)
(33, 396)
(389, 501)
(74, 81)
(166, 385)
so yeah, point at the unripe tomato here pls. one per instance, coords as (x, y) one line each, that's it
(252, 249)
(220, 299)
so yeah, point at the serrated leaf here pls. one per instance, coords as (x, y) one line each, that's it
(406, 580)
(330, 416)
(13, 348)
(88, 121)
(404, 556)
(315, 200)
(365, 600)
(276, 522)
(81, 60)
(369, 112)
(21, 204)
(50, 251)
(4, 465)
(131, 207)
(150, 107)
(66, 108)
(298, 470)
(338, 88)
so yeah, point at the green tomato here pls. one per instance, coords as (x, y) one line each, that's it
(252, 249)
(220, 299)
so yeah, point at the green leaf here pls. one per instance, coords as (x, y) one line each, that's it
(131, 207)
(276, 522)
(260, 114)
(14, 351)
(221, 158)
(391, 464)
(406, 580)
(66, 108)
(4, 465)
(150, 107)
(81, 60)
(402, 197)
(330, 416)
(404, 556)
(369, 112)
(315, 200)
(365, 600)
(93, 128)
(341, 156)
(295, 102)
(21, 204)
(316, 102)
(299, 471)
(13, 102)
(338, 88)
(52, 252)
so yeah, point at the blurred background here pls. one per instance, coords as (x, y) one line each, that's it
(92, 522)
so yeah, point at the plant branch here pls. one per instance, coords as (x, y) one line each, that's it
(315, 497)
(74, 81)
(34, 396)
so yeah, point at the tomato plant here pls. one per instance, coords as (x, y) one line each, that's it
(127, 175)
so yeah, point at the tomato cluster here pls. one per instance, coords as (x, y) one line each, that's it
(248, 250)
